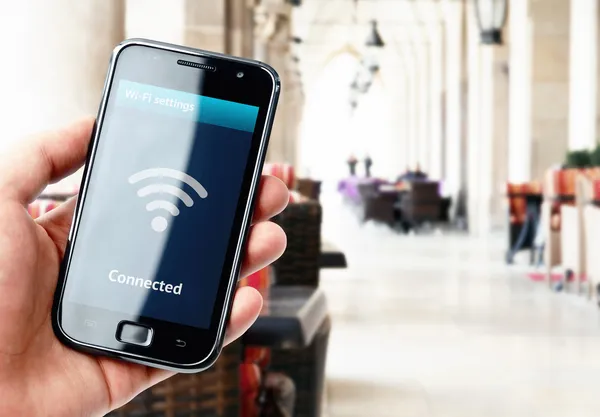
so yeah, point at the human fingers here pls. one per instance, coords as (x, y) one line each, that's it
(273, 198)
(28, 167)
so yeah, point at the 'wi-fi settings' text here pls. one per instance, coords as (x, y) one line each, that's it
(150, 98)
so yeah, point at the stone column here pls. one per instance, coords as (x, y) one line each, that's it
(412, 121)
(454, 59)
(217, 25)
(487, 135)
(239, 21)
(56, 58)
(272, 45)
(500, 161)
(476, 149)
(402, 138)
(394, 83)
(422, 52)
(396, 76)
(294, 113)
(402, 123)
(486, 160)
(205, 25)
(550, 89)
(520, 59)
(436, 72)
(539, 87)
(583, 74)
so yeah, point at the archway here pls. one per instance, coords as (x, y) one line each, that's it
(331, 130)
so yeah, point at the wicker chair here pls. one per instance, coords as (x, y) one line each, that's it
(309, 188)
(299, 265)
(422, 203)
(212, 393)
(376, 205)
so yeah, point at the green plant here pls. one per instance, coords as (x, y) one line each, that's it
(578, 159)
(595, 156)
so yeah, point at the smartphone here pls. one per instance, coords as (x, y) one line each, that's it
(165, 205)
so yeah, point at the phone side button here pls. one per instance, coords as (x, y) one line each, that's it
(135, 334)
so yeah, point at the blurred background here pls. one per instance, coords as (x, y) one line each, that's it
(443, 228)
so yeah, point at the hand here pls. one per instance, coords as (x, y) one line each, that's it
(38, 375)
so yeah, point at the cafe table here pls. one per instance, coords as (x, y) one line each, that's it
(331, 256)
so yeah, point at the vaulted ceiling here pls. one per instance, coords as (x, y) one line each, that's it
(328, 27)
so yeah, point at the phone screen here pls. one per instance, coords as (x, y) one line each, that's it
(161, 201)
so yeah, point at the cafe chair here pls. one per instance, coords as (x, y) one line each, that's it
(421, 203)
(299, 265)
(309, 188)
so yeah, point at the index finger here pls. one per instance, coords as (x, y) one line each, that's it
(32, 164)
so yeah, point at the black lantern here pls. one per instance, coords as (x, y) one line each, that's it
(491, 16)
(374, 39)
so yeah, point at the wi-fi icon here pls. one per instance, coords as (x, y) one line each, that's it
(160, 223)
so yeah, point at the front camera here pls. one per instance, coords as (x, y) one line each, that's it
(240, 74)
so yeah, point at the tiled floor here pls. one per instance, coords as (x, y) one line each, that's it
(438, 326)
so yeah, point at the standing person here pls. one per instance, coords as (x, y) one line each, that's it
(407, 176)
(352, 161)
(368, 164)
(420, 174)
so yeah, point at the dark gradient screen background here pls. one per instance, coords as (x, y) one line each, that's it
(115, 231)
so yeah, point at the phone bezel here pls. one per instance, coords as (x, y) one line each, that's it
(207, 343)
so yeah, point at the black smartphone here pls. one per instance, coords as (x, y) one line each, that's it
(165, 205)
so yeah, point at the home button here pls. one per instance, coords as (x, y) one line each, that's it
(135, 334)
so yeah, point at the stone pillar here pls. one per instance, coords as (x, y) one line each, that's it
(218, 25)
(500, 161)
(294, 114)
(412, 121)
(519, 136)
(539, 88)
(272, 45)
(487, 134)
(204, 24)
(454, 59)
(476, 156)
(550, 89)
(485, 144)
(397, 83)
(392, 89)
(423, 109)
(239, 19)
(436, 72)
(402, 123)
(583, 74)
(56, 58)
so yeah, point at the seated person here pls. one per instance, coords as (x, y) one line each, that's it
(420, 175)
(412, 175)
